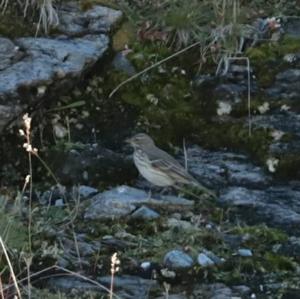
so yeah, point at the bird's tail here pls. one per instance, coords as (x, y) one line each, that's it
(201, 188)
(194, 184)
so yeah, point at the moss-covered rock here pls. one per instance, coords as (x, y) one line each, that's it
(267, 59)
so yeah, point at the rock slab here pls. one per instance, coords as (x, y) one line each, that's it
(30, 68)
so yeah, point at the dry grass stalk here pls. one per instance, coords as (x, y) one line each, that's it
(115, 263)
(12, 273)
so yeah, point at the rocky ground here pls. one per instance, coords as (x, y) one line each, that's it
(245, 243)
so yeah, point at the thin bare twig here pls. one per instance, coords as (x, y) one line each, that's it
(185, 155)
(152, 66)
(10, 268)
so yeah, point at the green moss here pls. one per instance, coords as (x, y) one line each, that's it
(88, 4)
(123, 37)
(13, 25)
(262, 234)
(12, 230)
(265, 58)
(234, 136)
(289, 45)
(270, 51)
(289, 165)
(161, 97)
(275, 262)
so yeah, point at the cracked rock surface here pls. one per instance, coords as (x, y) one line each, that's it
(30, 68)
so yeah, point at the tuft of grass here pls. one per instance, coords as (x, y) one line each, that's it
(47, 14)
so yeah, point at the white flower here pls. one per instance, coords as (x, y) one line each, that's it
(290, 58)
(41, 90)
(59, 130)
(224, 108)
(272, 164)
(263, 108)
(285, 107)
(152, 98)
(277, 134)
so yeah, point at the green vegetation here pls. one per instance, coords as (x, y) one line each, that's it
(265, 57)
(12, 229)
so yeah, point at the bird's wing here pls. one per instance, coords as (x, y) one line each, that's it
(166, 162)
(177, 171)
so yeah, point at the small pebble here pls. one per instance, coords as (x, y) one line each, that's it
(245, 252)
(204, 260)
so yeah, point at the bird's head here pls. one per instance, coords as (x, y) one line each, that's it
(140, 140)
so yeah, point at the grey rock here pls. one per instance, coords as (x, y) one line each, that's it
(220, 291)
(90, 164)
(127, 287)
(219, 169)
(121, 63)
(216, 291)
(239, 196)
(71, 283)
(85, 191)
(115, 203)
(46, 57)
(98, 19)
(77, 251)
(59, 202)
(173, 296)
(286, 85)
(245, 252)
(277, 206)
(213, 257)
(54, 194)
(245, 185)
(287, 122)
(145, 213)
(130, 287)
(230, 91)
(178, 260)
(245, 174)
(204, 261)
(233, 241)
(292, 27)
(179, 224)
(290, 75)
(102, 19)
(54, 63)
(123, 200)
(237, 68)
(8, 52)
(242, 290)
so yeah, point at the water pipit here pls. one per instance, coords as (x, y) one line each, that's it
(158, 167)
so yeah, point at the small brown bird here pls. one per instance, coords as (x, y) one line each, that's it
(157, 166)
